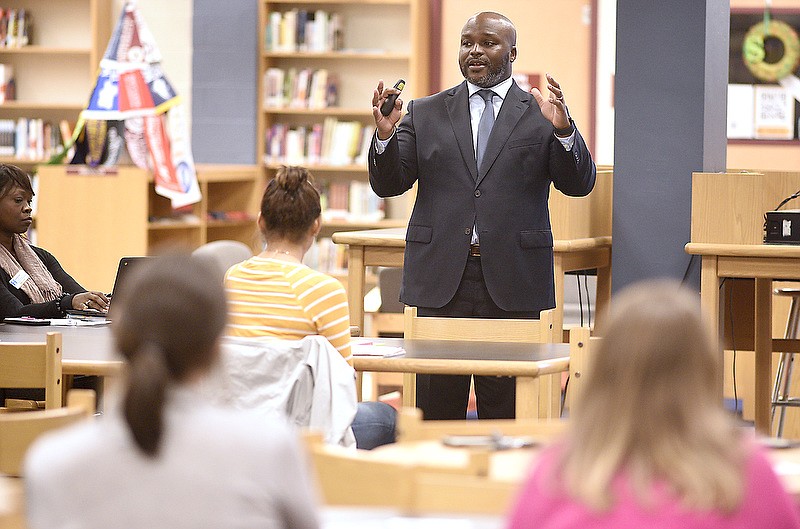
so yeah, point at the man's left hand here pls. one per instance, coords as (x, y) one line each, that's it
(554, 109)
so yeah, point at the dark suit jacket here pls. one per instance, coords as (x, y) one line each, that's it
(507, 197)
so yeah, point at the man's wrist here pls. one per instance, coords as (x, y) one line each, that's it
(387, 138)
(566, 132)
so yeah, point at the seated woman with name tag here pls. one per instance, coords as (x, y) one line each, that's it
(32, 281)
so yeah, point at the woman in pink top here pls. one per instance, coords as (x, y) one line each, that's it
(654, 447)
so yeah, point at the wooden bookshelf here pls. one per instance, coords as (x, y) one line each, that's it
(89, 219)
(380, 39)
(55, 73)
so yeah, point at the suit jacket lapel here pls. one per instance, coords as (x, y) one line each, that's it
(514, 106)
(458, 110)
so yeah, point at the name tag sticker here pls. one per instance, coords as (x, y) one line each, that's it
(19, 278)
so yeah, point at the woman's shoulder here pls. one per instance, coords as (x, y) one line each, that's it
(68, 450)
(317, 278)
(42, 253)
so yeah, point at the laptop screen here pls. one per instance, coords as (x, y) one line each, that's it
(124, 269)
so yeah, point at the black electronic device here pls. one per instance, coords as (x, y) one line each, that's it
(782, 227)
(388, 105)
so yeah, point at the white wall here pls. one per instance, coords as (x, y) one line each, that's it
(603, 152)
(171, 26)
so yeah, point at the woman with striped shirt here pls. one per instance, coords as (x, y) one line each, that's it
(275, 294)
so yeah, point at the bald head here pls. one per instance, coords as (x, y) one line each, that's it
(496, 18)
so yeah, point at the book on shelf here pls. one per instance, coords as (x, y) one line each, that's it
(273, 88)
(7, 135)
(318, 89)
(288, 31)
(741, 111)
(7, 83)
(774, 113)
(299, 93)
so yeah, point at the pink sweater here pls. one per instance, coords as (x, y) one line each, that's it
(766, 505)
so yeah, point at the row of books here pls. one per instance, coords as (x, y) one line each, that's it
(332, 142)
(351, 201)
(761, 112)
(32, 138)
(327, 256)
(304, 88)
(15, 28)
(302, 30)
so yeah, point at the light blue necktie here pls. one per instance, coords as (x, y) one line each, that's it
(484, 125)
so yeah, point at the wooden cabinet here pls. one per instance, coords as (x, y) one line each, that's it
(89, 219)
(55, 74)
(368, 40)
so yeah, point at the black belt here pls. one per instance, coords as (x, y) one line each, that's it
(474, 250)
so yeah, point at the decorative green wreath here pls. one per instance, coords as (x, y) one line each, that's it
(754, 54)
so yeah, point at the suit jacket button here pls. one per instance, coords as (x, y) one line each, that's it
(467, 231)
(477, 193)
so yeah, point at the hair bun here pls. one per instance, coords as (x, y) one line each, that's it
(292, 178)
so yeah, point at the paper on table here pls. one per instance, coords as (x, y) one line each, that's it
(71, 322)
(375, 348)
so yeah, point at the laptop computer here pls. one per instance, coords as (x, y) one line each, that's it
(124, 268)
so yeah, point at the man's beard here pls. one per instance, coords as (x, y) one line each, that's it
(492, 77)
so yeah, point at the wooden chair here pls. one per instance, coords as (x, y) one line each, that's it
(386, 321)
(33, 365)
(445, 493)
(486, 330)
(349, 477)
(19, 430)
(356, 478)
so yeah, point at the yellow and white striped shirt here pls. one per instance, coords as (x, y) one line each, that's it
(270, 297)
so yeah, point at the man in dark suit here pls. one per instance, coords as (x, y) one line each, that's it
(479, 242)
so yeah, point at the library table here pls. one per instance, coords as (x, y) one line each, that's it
(525, 361)
(90, 351)
(385, 247)
(85, 350)
(763, 263)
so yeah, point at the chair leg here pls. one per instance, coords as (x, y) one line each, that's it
(410, 390)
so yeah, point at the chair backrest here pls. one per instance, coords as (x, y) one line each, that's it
(18, 430)
(351, 477)
(447, 493)
(33, 365)
(487, 330)
(411, 427)
(223, 254)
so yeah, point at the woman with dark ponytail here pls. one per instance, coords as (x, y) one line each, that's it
(167, 458)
